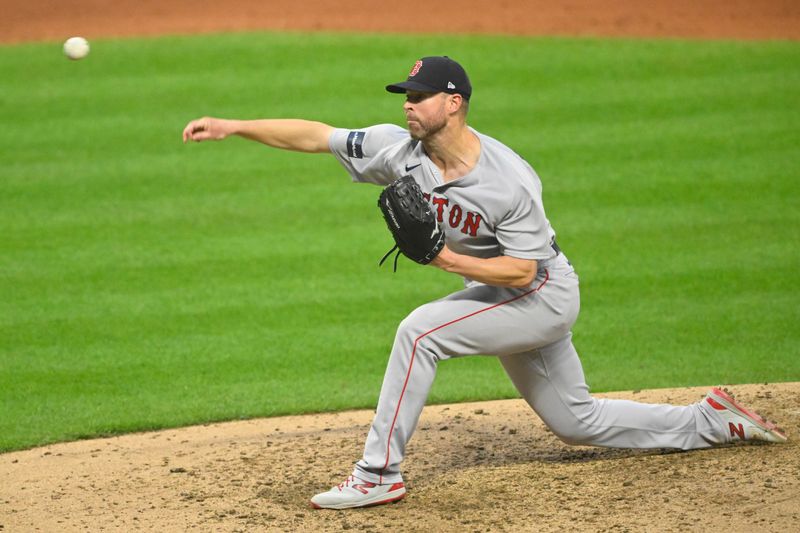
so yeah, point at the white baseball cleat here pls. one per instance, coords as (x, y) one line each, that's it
(356, 492)
(743, 424)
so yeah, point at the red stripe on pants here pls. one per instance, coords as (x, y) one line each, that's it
(414, 352)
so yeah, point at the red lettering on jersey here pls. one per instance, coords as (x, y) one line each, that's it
(455, 215)
(440, 203)
(736, 430)
(427, 196)
(471, 224)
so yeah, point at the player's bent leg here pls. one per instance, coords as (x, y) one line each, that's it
(478, 320)
(551, 380)
(407, 381)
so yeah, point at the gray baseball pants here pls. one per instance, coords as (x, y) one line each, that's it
(529, 330)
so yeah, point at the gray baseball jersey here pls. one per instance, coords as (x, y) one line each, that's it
(496, 209)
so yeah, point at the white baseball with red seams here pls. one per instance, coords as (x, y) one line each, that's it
(497, 209)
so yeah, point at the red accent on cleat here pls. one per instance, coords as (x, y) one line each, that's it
(715, 405)
(743, 424)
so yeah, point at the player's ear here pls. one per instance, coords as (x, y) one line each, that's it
(459, 104)
(454, 101)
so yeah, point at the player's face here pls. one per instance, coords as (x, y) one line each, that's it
(425, 113)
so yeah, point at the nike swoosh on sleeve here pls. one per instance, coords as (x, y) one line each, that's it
(409, 168)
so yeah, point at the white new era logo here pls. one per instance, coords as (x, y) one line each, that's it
(450, 85)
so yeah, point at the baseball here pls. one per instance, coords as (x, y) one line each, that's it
(76, 48)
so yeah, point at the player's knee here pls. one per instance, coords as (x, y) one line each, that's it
(414, 331)
(575, 428)
(407, 330)
(415, 325)
(574, 435)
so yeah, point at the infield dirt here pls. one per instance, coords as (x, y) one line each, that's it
(23, 20)
(489, 466)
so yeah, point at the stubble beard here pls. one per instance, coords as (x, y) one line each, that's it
(427, 130)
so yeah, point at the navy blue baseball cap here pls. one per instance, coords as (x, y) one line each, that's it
(435, 74)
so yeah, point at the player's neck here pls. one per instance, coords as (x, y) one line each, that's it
(454, 150)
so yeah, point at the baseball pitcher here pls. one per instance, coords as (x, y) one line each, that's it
(461, 201)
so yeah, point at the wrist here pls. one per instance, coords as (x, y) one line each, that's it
(232, 127)
(446, 260)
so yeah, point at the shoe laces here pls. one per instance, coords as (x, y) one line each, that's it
(346, 482)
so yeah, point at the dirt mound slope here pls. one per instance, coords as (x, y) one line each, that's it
(489, 466)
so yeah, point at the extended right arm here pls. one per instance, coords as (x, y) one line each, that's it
(287, 134)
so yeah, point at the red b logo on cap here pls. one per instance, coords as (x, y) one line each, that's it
(415, 70)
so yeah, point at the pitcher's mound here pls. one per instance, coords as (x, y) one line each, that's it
(489, 466)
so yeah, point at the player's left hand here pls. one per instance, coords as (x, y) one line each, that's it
(410, 219)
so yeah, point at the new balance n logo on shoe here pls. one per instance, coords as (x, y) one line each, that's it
(736, 431)
(355, 492)
(743, 424)
(362, 487)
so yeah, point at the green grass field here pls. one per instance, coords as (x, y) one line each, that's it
(146, 283)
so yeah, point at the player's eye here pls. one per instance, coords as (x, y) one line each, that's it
(415, 98)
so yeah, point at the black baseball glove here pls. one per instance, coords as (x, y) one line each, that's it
(411, 221)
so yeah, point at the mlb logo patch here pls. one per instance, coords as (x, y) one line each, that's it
(355, 142)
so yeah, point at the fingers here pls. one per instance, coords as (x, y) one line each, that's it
(207, 128)
(191, 129)
(196, 130)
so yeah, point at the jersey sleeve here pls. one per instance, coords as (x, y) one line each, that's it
(525, 232)
(366, 153)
